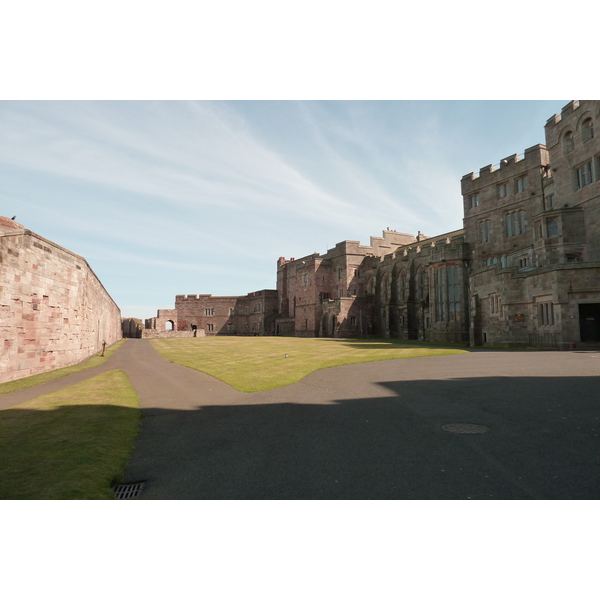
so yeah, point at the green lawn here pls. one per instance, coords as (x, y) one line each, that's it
(71, 444)
(93, 361)
(252, 364)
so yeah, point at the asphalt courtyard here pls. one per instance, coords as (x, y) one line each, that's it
(367, 431)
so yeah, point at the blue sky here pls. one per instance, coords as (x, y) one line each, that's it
(185, 197)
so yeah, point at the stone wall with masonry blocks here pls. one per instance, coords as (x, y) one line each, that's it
(54, 312)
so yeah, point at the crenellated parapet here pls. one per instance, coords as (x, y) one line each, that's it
(569, 123)
(449, 246)
(508, 168)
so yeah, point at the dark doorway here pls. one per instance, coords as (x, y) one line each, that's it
(589, 322)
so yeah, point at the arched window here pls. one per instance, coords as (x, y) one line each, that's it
(386, 288)
(552, 226)
(371, 286)
(567, 142)
(422, 284)
(402, 293)
(587, 130)
(169, 326)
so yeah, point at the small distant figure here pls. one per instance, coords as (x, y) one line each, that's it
(286, 356)
(103, 347)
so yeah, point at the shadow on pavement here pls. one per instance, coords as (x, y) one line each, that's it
(543, 443)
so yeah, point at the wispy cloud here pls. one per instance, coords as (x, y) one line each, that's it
(209, 194)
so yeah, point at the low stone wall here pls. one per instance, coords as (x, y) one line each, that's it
(154, 333)
(54, 312)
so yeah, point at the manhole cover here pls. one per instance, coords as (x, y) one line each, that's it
(465, 428)
(126, 491)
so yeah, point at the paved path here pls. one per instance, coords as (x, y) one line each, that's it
(369, 431)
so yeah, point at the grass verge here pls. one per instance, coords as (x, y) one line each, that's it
(92, 361)
(252, 364)
(71, 444)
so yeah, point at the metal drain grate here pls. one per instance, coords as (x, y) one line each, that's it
(127, 491)
(465, 428)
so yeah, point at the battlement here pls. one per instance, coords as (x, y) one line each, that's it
(508, 167)
(183, 297)
(565, 112)
(379, 246)
(435, 247)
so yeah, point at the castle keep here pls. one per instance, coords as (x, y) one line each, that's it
(54, 312)
(524, 270)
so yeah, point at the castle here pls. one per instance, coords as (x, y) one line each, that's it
(524, 271)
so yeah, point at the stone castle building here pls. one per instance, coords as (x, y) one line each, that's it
(205, 314)
(54, 311)
(524, 270)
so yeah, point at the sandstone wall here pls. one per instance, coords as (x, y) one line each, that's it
(155, 333)
(54, 311)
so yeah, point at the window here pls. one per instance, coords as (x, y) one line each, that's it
(246, 311)
(521, 184)
(323, 296)
(402, 295)
(583, 175)
(546, 313)
(209, 312)
(572, 258)
(474, 200)
(421, 284)
(305, 278)
(503, 190)
(514, 223)
(210, 327)
(538, 230)
(485, 230)
(229, 326)
(356, 273)
(258, 307)
(550, 202)
(439, 284)
(567, 142)
(340, 292)
(253, 326)
(495, 305)
(552, 227)
(491, 261)
(587, 130)
(453, 294)
(386, 288)
(503, 261)
(523, 262)
(353, 321)
(231, 312)
(340, 273)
